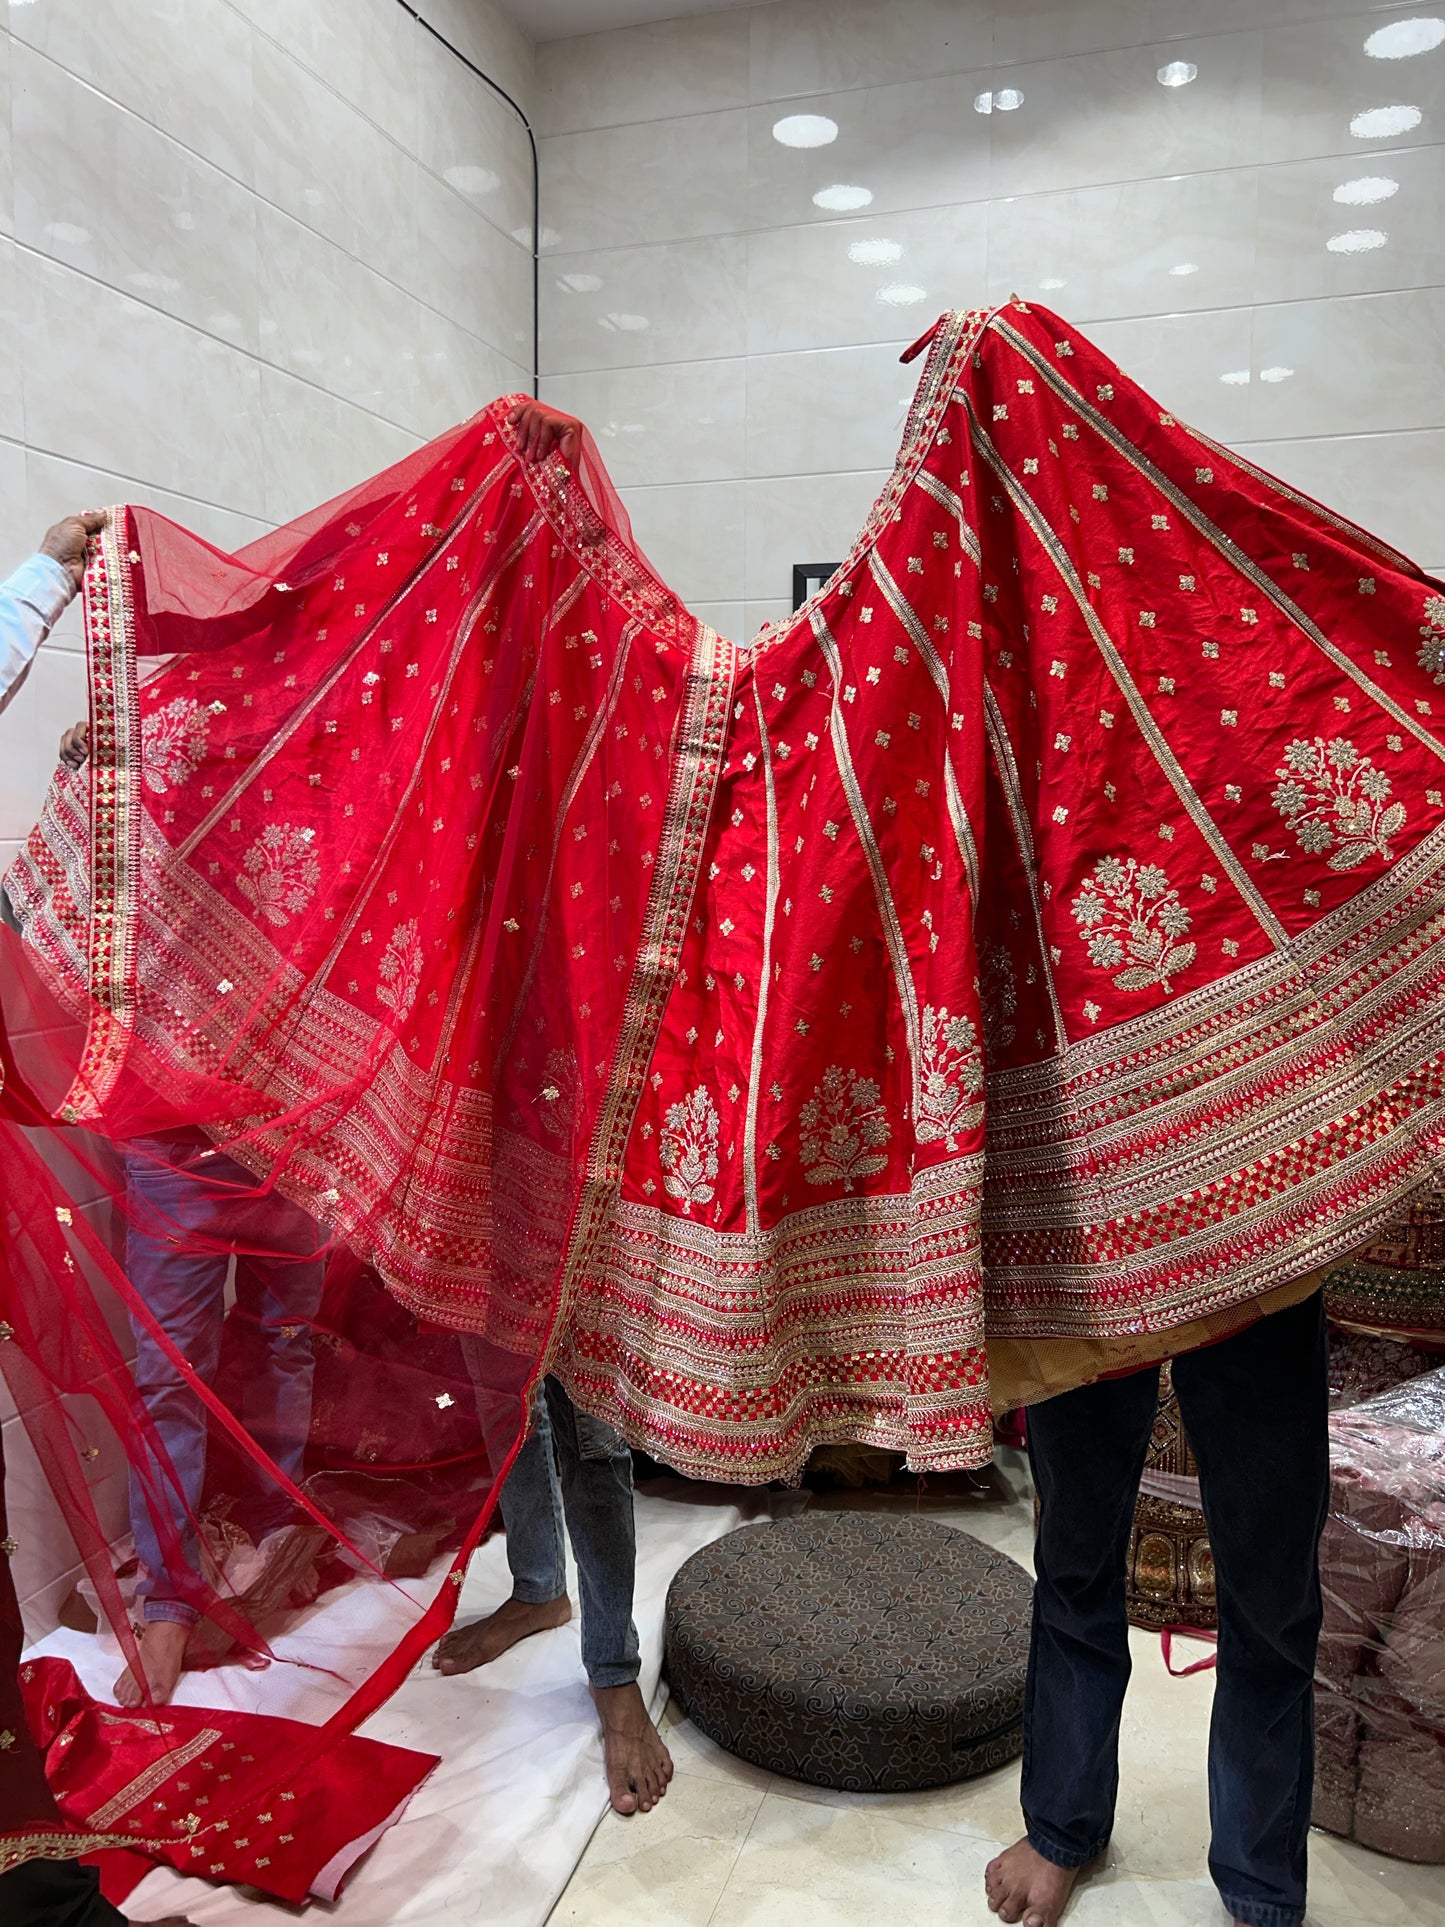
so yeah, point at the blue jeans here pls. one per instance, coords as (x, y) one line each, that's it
(182, 1280)
(574, 1464)
(1255, 1409)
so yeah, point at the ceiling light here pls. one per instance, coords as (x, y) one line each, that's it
(1275, 374)
(1359, 240)
(1379, 123)
(875, 253)
(1236, 378)
(1177, 73)
(805, 130)
(1368, 189)
(1404, 38)
(902, 294)
(1185, 267)
(843, 200)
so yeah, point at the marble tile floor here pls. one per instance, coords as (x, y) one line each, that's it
(733, 1846)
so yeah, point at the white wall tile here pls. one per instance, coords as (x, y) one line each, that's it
(329, 166)
(365, 50)
(481, 31)
(1364, 364)
(670, 67)
(1182, 360)
(56, 487)
(917, 144)
(839, 283)
(6, 208)
(1048, 29)
(1105, 117)
(692, 535)
(470, 271)
(126, 388)
(1318, 81)
(184, 65)
(1309, 243)
(814, 46)
(457, 374)
(1132, 247)
(12, 347)
(110, 195)
(828, 409)
(807, 518)
(683, 423)
(664, 180)
(627, 307)
(317, 446)
(728, 618)
(1390, 484)
(330, 319)
(471, 138)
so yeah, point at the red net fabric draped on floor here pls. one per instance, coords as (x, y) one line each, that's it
(1023, 963)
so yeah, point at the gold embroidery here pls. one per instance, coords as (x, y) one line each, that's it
(843, 1129)
(688, 1150)
(1331, 795)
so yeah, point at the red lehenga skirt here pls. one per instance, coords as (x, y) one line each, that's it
(1024, 962)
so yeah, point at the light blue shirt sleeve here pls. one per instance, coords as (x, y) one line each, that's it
(31, 603)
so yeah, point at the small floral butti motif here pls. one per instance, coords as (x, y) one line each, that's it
(1128, 914)
(844, 1129)
(400, 969)
(950, 1078)
(689, 1150)
(557, 1099)
(1432, 646)
(281, 871)
(173, 742)
(1335, 799)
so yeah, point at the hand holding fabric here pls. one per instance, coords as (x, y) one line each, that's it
(66, 542)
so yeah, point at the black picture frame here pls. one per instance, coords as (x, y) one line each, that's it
(808, 578)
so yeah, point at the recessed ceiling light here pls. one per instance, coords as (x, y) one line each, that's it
(1177, 73)
(1359, 240)
(902, 294)
(1003, 100)
(1402, 39)
(1236, 378)
(875, 252)
(1185, 267)
(1365, 191)
(805, 130)
(1275, 374)
(1380, 123)
(842, 199)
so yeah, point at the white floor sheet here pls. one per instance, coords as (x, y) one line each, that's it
(495, 1833)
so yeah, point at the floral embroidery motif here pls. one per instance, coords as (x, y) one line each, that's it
(999, 994)
(400, 969)
(281, 872)
(557, 1099)
(1127, 914)
(1432, 648)
(843, 1130)
(950, 1078)
(689, 1150)
(1331, 795)
(173, 742)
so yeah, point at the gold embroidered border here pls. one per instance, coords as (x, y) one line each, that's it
(140, 1789)
(770, 911)
(1012, 786)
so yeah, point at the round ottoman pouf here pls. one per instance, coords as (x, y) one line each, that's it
(853, 1650)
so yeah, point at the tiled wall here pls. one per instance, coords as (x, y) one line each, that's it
(733, 343)
(249, 254)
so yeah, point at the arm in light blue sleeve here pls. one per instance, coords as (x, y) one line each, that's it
(31, 603)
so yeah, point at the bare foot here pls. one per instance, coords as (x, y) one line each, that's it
(1021, 1885)
(487, 1639)
(162, 1648)
(638, 1765)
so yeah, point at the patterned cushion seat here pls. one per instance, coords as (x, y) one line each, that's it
(853, 1650)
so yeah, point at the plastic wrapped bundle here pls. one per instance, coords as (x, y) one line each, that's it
(1380, 1691)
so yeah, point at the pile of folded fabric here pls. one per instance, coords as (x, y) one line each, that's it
(1380, 1690)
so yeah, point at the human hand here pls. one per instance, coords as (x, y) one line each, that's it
(540, 429)
(66, 542)
(75, 745)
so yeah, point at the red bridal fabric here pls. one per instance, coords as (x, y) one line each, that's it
(1031, 948)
